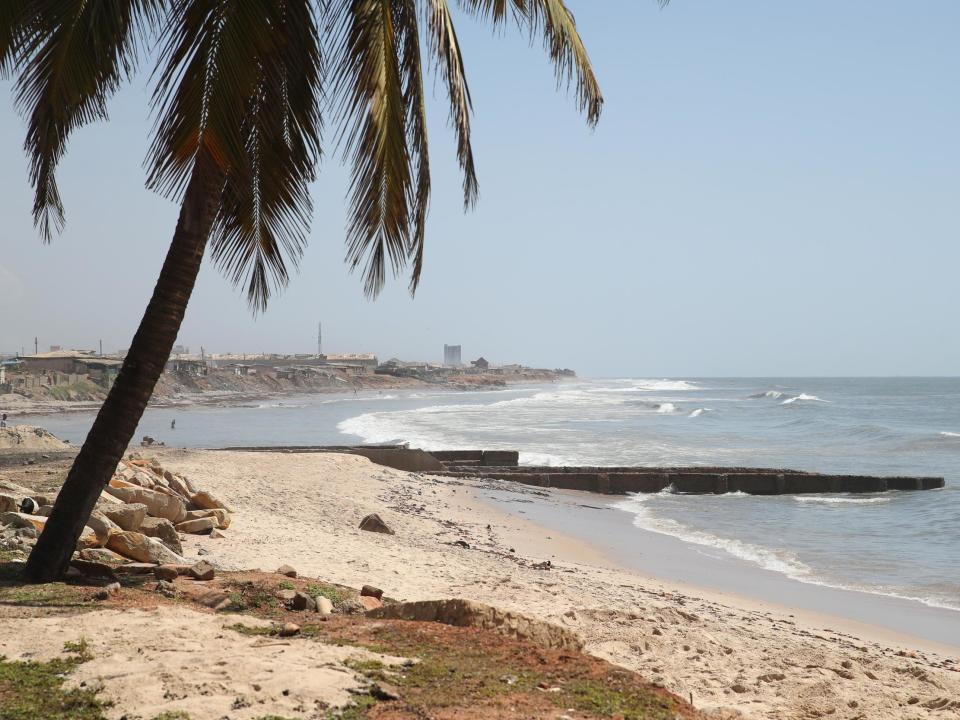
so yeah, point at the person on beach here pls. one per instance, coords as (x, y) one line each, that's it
(3, 420)
(173, 424)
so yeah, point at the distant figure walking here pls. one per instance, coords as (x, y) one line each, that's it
(173, 424)
(3, 420)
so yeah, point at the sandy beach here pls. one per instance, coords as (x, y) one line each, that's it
(726, 652)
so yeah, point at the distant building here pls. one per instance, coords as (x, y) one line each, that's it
(367, 362)
(197, 368)
(480, 363)
(451, 355)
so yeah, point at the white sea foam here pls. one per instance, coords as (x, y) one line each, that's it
(780, 562)
(803, 397)
(698, 412)
(666, 407)
(773, 394)
(834, 500)
(652, 386)
(947, 433)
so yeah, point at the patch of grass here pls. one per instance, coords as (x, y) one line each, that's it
(286, 585)
(250, 596)
(47, 595)
(357, 710)
(172, 715)
(35, 691)
(80, 648)
(607, 697)
(331, 593)
(252, 631)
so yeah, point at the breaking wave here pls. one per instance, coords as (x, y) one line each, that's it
(781, 562)
(803, 397)
(773, 394)
(698, 412)
(834, 500)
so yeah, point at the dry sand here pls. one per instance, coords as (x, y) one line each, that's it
(723, 653)
(175, 659)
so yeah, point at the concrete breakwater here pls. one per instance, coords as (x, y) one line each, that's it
(504, 465)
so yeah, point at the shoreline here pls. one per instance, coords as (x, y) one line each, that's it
(730, 652)
(771, 591)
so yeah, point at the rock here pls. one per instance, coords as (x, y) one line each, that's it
(373, 523)
(216, 534)
(286, 595)
(351, 606)
(101, 555)
(8, 503)
(200, 526)
(105, 592)
(45, 510)
(166, 572)
(289, 629)
(222, 516)
(88, 539)
(94, 569)
(302, 601)
(137, 546)
(128, 516)
(158, 504)
(202, 571)
(286, 570)
(324, 606)
(102, 526)
(29, 532)
(164, 531)
(137, 568)
(177, 485)
(206, 501)
(167, 588)
(466, 613)
(370, 591)
(370, 603)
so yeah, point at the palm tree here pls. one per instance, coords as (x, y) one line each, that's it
(241, 92)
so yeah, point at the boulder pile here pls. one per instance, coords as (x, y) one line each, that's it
(140, 516)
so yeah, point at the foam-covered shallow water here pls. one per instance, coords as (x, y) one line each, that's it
(904, 545)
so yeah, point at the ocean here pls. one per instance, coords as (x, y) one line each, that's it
(903, 545)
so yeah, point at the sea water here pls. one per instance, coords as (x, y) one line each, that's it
(902, 544)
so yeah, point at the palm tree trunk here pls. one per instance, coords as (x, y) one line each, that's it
(121, 411)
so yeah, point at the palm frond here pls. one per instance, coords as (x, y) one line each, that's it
(373, 106)
(17, 23)
(72, 56)
(555, 22)
(446, 52)
(241, 81)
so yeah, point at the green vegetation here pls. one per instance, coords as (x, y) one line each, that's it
(286, 585)
(172, 715)
(331, 593)
(249, 595)
(34, 690)
(80, 648)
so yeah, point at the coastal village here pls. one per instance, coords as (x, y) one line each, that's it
(75, 376)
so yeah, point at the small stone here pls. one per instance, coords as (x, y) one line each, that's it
(324, 606)
(289, 629)
(374, 523)
(302, 601)
(370, 591)
(370, 603)
(217, 534)
(166, 572)
(108, 590)
(738, 688)
(201, 571)
(351, 606)
(200, 526)
(167, 589)
(286, 595)
(286, 570)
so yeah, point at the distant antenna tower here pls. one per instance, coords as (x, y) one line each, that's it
(319, 338)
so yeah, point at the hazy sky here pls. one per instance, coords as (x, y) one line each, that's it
(773, 189)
